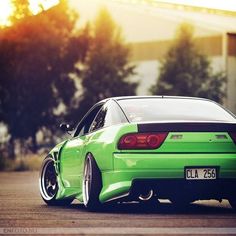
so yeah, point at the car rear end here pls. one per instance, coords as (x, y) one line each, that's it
(188, 159)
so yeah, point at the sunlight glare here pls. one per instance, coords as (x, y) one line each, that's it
(37, 6)
(228, 5)
(6, 10)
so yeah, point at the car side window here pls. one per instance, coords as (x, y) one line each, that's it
(109, 114)
(99, 120)
(84, 125)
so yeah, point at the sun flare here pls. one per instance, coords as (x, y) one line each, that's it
(6, 10)
(35, 6)
(228, 5)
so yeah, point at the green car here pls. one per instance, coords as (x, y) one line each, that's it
(144, 148)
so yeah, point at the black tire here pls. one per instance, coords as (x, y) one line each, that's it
(151, 203)
(48, 184)
(232, 202)
(180, 203)
(92, 184)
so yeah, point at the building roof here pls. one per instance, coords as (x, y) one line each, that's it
(147, 22)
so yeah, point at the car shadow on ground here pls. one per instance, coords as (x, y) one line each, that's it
(154, 208)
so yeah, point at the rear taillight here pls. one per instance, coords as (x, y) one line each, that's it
(233, 136)
(142, 140)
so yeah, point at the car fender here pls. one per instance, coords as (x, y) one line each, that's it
(103, 144)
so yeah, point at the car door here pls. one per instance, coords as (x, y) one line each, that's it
(71, 156)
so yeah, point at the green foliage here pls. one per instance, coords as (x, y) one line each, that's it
(39, 58)
(21, 10)
(21, 166)
(21, 163)
(36, 55)
(106, 70)
(187, 72)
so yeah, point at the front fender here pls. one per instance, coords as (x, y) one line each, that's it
(55, 154)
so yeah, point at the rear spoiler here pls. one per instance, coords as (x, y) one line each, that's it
(187, 127)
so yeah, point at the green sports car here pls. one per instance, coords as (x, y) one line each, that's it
(144, 148)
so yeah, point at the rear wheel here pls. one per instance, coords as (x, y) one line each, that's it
(232, 202)
(180, 202)
(92, 184)
(48, 184)
(151, 203)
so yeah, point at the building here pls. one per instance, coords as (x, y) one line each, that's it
(150, 28)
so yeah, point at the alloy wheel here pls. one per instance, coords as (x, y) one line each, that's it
(48, 180)
(87, 181)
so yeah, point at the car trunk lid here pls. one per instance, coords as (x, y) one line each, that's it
(193, 137)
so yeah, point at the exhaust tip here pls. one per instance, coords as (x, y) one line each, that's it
(146, 197)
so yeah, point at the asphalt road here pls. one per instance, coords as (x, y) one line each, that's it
(22, 210)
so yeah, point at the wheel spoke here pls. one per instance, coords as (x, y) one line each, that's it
(49, 180)
(48, 185)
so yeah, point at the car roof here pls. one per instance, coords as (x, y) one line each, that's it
(149, 96)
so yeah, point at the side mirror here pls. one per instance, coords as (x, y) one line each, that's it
(66, 127)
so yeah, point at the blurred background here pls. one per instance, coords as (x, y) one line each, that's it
(58, 58)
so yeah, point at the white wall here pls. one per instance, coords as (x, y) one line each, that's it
(147, 73)
(231, 87)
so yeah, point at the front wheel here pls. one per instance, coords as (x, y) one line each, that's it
(92, 184)
(48, 184)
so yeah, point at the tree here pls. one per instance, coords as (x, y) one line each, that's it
(37, 53)
(106, 70)
(187, 72)
(21, 10)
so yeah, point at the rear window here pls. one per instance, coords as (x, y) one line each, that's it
(162, 109)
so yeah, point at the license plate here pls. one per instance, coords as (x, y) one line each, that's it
(200, 173)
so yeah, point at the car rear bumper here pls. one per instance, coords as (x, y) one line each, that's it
(195, 190)
(164, 173)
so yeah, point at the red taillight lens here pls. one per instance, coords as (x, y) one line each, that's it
(233, 136)
(142, 141)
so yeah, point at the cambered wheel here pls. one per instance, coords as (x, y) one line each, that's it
(92, 184)
(48, 184)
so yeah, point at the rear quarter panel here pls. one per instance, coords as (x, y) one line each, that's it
(103, 143)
